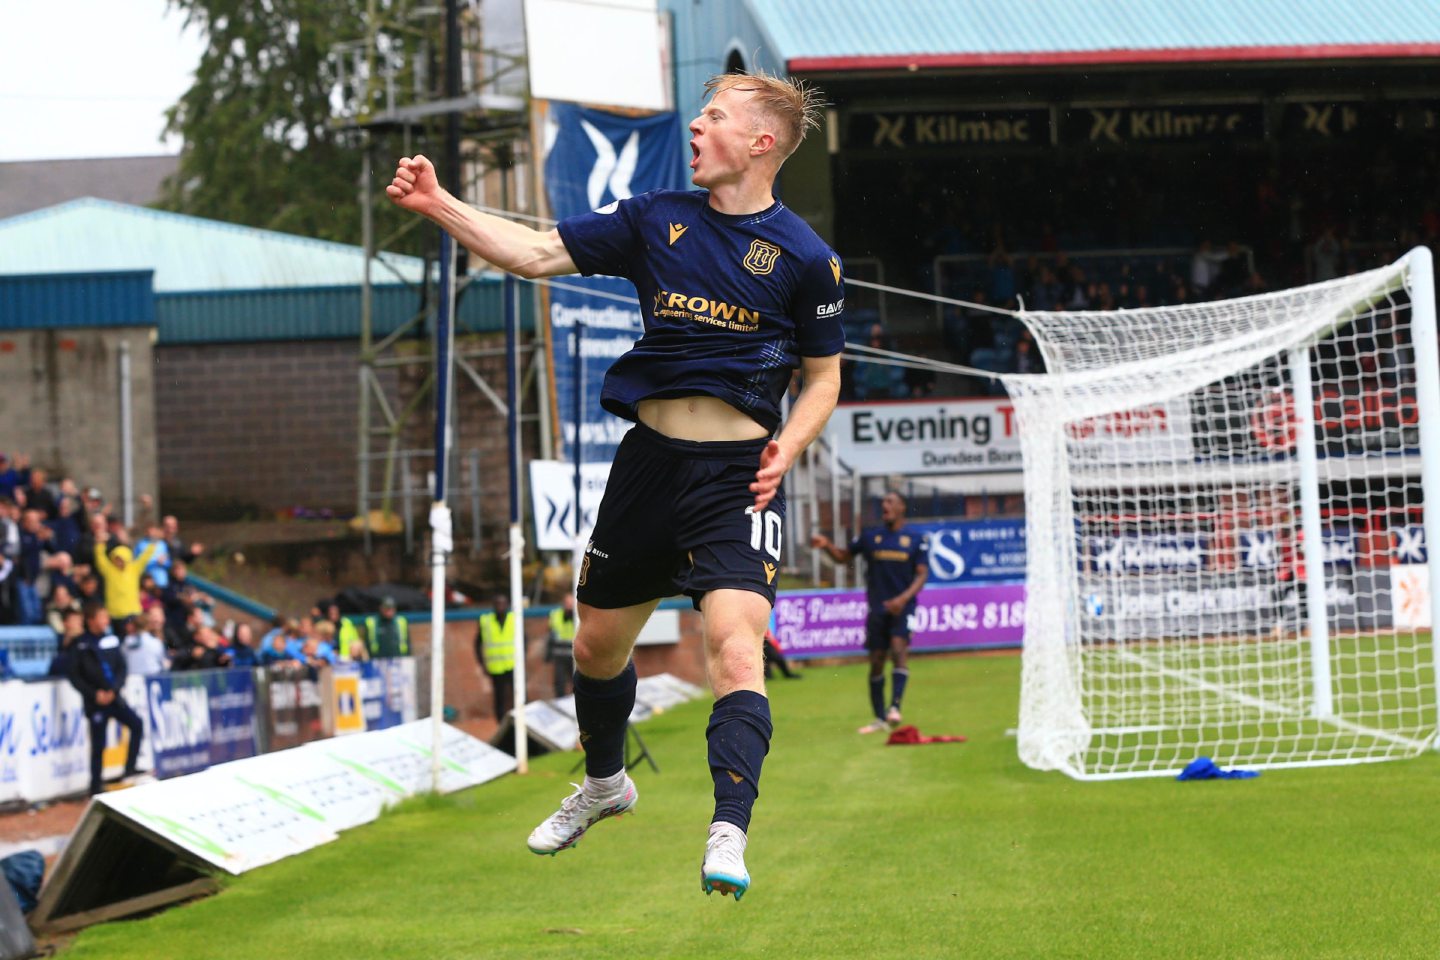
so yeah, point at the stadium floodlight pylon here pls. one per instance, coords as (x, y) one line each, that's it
(1227, 507)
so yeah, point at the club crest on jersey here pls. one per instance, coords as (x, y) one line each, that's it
(835, 269)
(761, 258)
(677, 230)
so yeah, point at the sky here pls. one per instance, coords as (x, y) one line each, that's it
(90, 78)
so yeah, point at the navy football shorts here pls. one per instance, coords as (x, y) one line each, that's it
(678, 517)
(881, 626)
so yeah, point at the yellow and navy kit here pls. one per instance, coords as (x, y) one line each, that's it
(891, 557)
(730, 303)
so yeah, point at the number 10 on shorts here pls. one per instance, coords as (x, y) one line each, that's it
(765, 526)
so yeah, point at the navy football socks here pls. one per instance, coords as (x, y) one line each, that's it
(877, 695)
(901, 677)
(602, 709)
(739, 737)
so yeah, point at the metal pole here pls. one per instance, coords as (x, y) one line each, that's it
(517, 536)
(474, 503)
(127, 438)
(441, 534)
(1313, 547)
(842, 578)
(362, 443)
(1427, 397)
(577, 446)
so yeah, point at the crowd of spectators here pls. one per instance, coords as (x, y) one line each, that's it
(62, 547)
(1274, 225)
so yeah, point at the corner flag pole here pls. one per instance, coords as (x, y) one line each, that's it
(517, 534)
(442, 541)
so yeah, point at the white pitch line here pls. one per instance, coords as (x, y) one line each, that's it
(1261, 704)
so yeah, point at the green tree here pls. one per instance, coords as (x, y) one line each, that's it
(260, 143)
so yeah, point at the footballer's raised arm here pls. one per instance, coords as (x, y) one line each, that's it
(510, 246)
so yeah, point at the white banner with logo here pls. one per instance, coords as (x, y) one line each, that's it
(1160, 433)
(247, 813)
(45, 739)
(981, 436)
(953, 436)
(552, 495)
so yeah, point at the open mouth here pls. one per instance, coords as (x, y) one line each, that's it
(694, 154)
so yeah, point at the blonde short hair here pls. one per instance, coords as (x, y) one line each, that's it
(792, 104)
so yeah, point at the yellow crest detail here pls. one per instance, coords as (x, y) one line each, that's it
(769, 572)
(904, 541)
(677, 230)
(834, 268)
(761, 258)
(735, 776)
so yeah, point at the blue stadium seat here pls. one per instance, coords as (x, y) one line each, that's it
(28, 650)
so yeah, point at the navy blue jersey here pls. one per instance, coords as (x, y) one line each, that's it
(731, 303)
(891, 557)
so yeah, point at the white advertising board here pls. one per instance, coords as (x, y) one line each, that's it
(609, 53)
(247, 813)
(552, 495)
(953, 436)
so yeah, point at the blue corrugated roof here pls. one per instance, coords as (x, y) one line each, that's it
(186, 253)
(49, 302)
(825, 30)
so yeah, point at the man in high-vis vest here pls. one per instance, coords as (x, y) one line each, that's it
(560, 646)
(495, 649)
(389, 635)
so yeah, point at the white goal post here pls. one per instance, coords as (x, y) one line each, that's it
(1228, 505)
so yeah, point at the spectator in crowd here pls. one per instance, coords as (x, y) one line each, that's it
(61, 602)
(207, 652)
(277, 629)
(121, 570)
(877, 381)
(72, 624)
(97, 670)
(389, 634)
(89, 587)
(316, 653)
(36, 559)
(1027, 354)
(39, 495)
(1204, 267)
(12, 474)
(145, 652)
(1234, 271)
(276, 651)
(495, 651)
(65, 528)
(1323, 256)
(348, 641)
(244, 650)
(159, 566)
(179, 549)
(355, 649)
(560, 644)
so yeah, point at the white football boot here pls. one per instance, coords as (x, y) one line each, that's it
(578, 813)
(724, 866)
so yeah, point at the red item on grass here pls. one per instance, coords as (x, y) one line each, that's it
(909, 736)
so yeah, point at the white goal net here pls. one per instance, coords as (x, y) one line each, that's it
(1227, 524)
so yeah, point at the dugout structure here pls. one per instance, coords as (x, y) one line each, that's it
(1227, 512)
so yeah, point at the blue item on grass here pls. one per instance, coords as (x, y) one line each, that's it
(1203, 768)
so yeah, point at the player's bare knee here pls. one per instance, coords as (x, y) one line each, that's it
(598, 659)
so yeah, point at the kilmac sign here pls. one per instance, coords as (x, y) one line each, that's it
(954, 436)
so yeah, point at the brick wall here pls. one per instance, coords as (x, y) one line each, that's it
(265, 426)
(257, 425)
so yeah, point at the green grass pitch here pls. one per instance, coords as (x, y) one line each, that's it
(860, 850)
